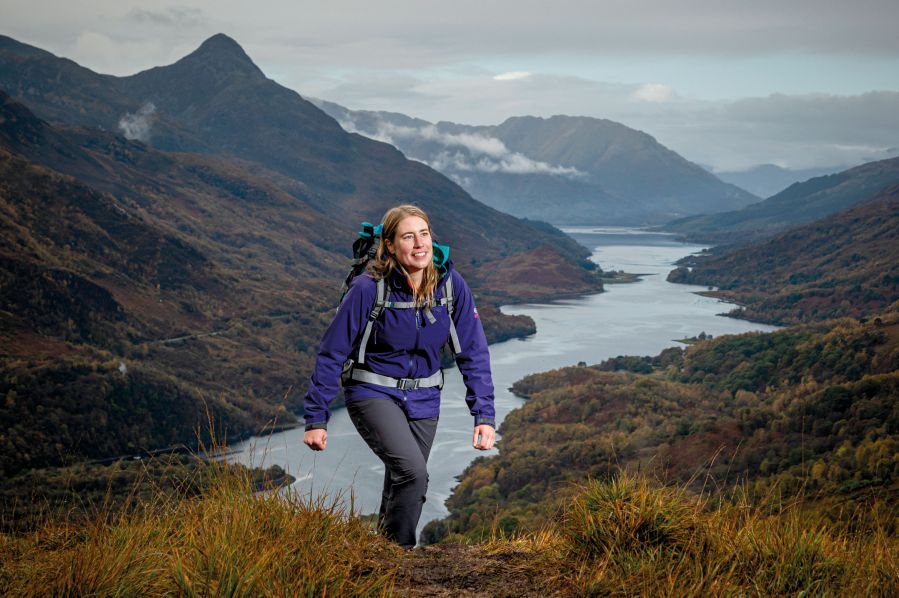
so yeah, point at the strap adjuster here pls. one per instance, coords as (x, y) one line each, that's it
(407, 383)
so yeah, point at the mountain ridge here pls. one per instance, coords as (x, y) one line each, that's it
(841, 265)
(261, 126)
(796, 205)
(603, 169)
(766, 180)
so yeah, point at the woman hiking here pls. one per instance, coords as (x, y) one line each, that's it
(390, 365)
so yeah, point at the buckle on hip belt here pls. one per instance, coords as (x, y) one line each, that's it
(407, 383)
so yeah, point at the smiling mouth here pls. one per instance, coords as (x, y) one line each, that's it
(420, 255)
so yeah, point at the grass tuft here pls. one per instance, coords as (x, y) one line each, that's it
(631, 537)
(627, 537)
(230, 541)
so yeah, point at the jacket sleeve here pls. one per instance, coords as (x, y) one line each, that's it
(337, 345)
(473, 359)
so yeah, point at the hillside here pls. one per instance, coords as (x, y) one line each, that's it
(798, 204)
(563, 169)
(93, 289)
(154, 291)
(59, 90)
(219, 97)
(766, 180)
(846, 264)
(626, 537)
(803, 412)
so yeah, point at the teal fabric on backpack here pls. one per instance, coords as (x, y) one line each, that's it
(441, 256)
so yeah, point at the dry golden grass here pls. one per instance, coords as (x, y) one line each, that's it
(627, 537)
(631, 537)
(232, 541)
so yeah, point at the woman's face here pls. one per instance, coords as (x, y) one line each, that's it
(411, 245)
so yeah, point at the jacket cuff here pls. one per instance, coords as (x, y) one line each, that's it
(317, 426)
(484, 421)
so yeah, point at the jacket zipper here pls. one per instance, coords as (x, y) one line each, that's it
(414, 351)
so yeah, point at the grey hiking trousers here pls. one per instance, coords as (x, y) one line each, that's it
(403, 445)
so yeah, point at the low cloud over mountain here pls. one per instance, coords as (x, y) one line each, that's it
(562, 169)
(465, 152)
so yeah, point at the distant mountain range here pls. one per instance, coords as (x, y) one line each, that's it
(766, 180)
(565, 170)
(797, 205)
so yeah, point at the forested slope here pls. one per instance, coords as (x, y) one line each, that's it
(808, 411)
(844, 265)
(794, 206)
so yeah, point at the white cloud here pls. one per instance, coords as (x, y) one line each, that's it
(655, 92)
(471, 153)
(512, 76)
(138, 125)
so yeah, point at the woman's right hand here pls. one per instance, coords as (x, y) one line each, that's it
(317, 440)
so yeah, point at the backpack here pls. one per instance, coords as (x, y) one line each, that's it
(364, 250)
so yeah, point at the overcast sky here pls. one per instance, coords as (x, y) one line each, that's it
(726, 83)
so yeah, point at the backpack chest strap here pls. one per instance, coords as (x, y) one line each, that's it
(382, 302)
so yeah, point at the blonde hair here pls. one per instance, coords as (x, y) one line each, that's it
(385, 263)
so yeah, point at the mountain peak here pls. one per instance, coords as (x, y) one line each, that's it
(179, 89)
(223, 50)
(221, 44)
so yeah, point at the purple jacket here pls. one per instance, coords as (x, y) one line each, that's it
(401, 349)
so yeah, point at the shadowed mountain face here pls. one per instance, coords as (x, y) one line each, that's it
(59, 90)
(220, 101)
(798, 204)
(562, 169)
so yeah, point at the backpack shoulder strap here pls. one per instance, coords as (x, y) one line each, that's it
(382, 296)
(450, 298)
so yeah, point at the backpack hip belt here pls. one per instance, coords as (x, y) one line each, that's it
(350, 372)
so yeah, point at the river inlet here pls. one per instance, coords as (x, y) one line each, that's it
(640, 318)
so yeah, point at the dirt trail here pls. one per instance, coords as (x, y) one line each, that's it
(459, 571)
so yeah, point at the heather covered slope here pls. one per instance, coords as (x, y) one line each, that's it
(80, 281)
(223, 210)
(797, 205)
(806, 417)
(171, 282)
(846, 264)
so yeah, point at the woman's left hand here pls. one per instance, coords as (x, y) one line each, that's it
(487, 438)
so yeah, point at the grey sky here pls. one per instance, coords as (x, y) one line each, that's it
(698, 74)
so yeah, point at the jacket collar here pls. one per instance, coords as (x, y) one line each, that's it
(399, 282)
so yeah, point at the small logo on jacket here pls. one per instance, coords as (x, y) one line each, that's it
(476, 312)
